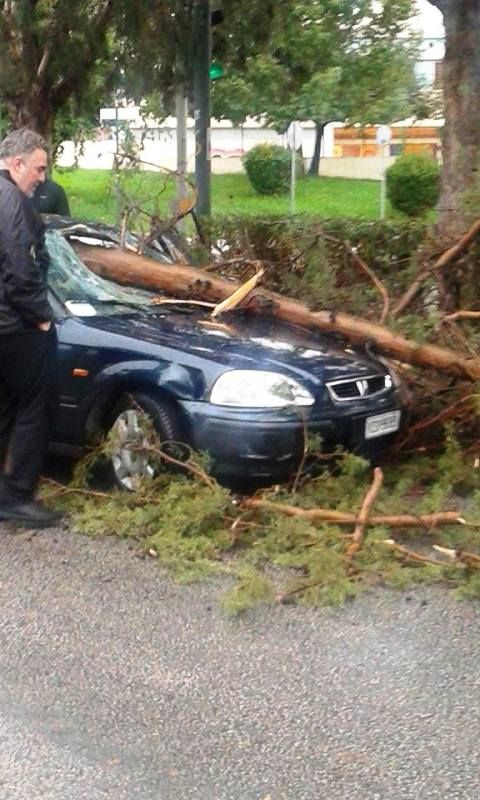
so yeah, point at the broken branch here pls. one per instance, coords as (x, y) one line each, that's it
(376, 281)
(449, 255)
(463, 315)
(427, 521)
(465, 559)
(361, 525)
(411, 554)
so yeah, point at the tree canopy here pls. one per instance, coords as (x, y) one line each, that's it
(329, 60)
(47, 54)
(323, 60)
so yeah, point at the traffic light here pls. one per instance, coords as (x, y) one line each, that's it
(215, 71)
(216, 66)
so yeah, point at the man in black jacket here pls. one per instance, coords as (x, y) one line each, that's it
(27, 335)
(51, 198)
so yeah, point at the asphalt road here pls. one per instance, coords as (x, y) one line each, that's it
(116, 684)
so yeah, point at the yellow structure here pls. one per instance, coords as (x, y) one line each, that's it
(357, 141)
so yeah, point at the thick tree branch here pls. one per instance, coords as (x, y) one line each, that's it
(375, 280)
(462, 315)
(184, 281)
(425, 521)
(446, 258)
(361, 525)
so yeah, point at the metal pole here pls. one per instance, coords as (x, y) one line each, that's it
(181, 113)
(293, 179)
(116, 128)
(117, 191)
(294, 137)
(202, 50)
(382, 182)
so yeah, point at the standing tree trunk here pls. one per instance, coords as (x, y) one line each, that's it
(48, 52)
(460, 189)
(315, 162)
(33, 111)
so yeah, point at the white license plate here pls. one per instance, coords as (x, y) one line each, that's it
(382, 424)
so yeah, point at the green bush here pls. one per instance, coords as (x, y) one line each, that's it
(413, 184)
(268, 168)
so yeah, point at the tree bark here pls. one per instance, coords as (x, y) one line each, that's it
(33, 111)
(315, 162)
(460, 183)
(183, 281)
(47, 55)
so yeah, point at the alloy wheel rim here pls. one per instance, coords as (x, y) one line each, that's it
(130, 464)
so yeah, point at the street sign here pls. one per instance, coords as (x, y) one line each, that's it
(383, 137)
(384, 134)
(294, 135)
(294, 141)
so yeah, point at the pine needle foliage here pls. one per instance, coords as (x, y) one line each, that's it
(197, 530)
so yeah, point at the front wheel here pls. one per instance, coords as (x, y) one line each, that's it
(138, 425)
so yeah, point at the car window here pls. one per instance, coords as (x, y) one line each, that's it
(78, 288)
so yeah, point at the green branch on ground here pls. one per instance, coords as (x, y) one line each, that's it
(197, 530)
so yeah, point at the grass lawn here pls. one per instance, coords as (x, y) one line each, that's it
(92, 196)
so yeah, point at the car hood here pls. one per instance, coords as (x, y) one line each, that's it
(243, 342)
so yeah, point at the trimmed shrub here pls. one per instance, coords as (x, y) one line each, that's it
(268, 168)
(413, 184)
(306, 260)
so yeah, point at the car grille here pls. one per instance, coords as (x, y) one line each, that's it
(358, 388)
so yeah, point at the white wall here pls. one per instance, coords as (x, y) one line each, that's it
(366, 168)
(160, 149)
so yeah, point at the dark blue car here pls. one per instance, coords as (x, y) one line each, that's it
(245, 392)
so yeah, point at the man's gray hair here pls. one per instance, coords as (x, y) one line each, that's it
(21, 142)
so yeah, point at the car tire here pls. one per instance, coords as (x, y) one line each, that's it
(139, 418)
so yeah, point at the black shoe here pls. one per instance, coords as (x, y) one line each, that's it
(30, 514)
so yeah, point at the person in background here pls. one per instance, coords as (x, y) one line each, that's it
(50, 198)
(28, 341)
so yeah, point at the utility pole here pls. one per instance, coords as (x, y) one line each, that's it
(202, 51)
(181, 112)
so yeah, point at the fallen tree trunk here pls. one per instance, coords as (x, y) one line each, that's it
(183, 281)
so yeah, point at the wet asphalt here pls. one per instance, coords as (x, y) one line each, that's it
(115, 683)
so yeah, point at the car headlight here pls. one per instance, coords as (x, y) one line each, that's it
(392, 379)
(247, 388)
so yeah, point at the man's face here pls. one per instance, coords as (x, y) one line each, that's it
(29, 170)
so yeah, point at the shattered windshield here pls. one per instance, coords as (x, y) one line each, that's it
(161, 248)
(83, 292)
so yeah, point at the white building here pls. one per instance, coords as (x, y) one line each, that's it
(157, 140)
(429, 67)
(158, 147)
(429, 22)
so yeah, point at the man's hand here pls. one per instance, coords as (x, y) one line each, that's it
(44, 326)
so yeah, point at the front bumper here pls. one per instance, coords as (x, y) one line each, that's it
(245, 444)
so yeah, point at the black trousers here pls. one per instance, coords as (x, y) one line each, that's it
(28, 401)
